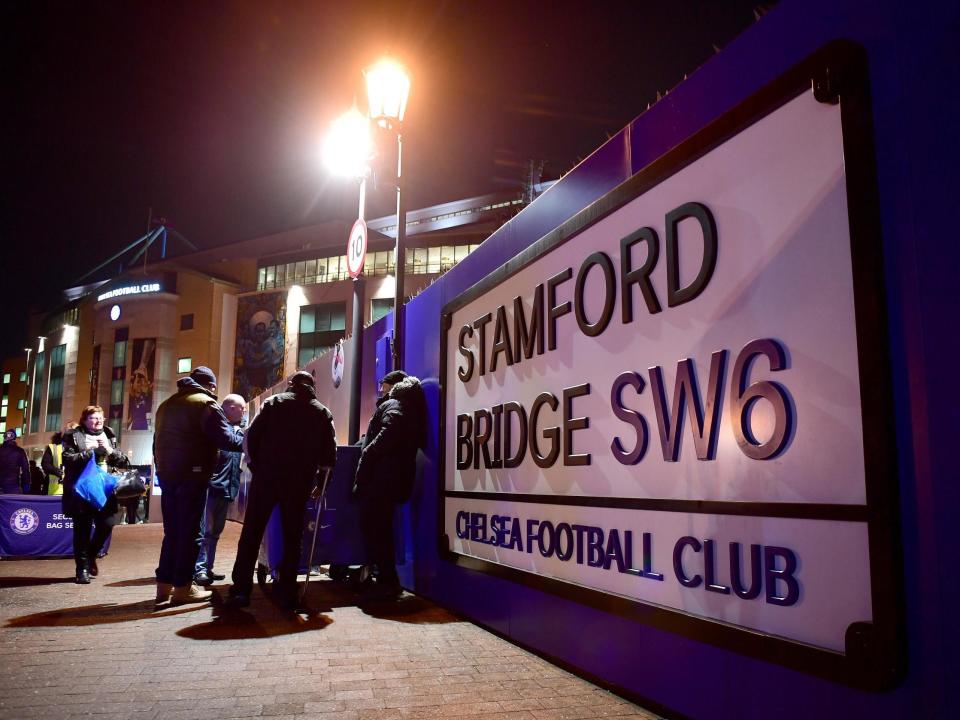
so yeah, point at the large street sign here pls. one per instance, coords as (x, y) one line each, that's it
(675, 404)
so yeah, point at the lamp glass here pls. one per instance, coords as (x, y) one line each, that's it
(388, 87)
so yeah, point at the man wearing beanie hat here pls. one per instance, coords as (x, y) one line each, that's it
(190, 430)
(14, 469)
(288, 442)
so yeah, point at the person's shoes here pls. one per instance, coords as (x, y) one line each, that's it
(83, 577)
(202, 579)
(163, 592)
(94, 570)
(216, 577)
(237, 599)
(191, 593)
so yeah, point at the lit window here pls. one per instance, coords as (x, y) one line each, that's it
(23, 376)
(3, 426)
(320, 328)
(6, 378)
(380, 307)
(184, 365)
(3, 411)
(21, 404)
(5, 401)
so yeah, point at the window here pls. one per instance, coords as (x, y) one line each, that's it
(320, 328)
(3, 411)
(23, 376)
(380, 307)
(5, 401)
(19, 432)
(186, 322)
(21, 404)
(118, 376)
(3, 426)
(378, 263)
(58, 366)
(40, 371)
(6, 378)
(184, 365)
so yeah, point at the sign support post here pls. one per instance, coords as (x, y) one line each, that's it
(356, 254)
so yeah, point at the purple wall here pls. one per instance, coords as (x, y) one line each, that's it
(912, 55)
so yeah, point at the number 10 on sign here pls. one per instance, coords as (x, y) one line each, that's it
(357, 248)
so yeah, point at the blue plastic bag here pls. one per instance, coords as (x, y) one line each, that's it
(95, 484)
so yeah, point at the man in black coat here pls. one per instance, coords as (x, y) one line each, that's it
(289, 441)
(387, 470)
(14, 469)
(190, 429)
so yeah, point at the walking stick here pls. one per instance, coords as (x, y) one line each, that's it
(316, 527)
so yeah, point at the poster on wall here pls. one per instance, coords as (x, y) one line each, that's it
(673, 405)
(141, 384)
(261, 328)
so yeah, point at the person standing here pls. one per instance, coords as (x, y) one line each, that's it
(190, 429)
(14, 468)
(223, 489)
(288, 442)
(387, 470)
(38, 481)
(52, 464)
(90, 439)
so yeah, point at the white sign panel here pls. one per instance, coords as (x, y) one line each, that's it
(684, 369)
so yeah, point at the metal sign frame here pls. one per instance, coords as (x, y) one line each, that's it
(874, 655)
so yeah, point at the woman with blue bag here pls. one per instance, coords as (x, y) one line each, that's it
(88, 450)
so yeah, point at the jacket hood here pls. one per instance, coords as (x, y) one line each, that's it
(406, 389)
(189, 385)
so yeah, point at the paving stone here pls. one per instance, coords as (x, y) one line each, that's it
(104, 651)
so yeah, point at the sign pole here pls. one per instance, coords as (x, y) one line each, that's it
(356, 252)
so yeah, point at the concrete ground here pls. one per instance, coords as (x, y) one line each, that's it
(69, 650)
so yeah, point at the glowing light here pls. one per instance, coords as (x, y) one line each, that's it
(296, 296)
(388, 87)
(346, 151)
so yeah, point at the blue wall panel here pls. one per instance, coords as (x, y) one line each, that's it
(912, 55)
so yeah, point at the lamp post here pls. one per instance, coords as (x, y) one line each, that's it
(388, 88)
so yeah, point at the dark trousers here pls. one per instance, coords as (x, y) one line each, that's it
(265, 494)
(376, 524)
(85, 547)
(182, 504)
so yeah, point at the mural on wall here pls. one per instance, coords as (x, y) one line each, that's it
(258, 362)
(141, 384)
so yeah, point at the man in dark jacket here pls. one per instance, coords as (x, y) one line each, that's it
(288, 442)
(387, 470)
(223, 489)
(14, 468)
(190, 429)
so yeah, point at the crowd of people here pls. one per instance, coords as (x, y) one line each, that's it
(199, 448)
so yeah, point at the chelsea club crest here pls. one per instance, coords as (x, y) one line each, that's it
(24, 521)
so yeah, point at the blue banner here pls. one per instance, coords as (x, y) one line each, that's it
(34, 525)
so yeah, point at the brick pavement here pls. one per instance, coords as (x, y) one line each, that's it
(69, 651)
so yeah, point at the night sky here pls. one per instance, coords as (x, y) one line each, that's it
(213, 113)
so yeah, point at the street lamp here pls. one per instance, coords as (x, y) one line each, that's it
(388, 87)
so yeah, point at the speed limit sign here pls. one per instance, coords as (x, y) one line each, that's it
(357, 248)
